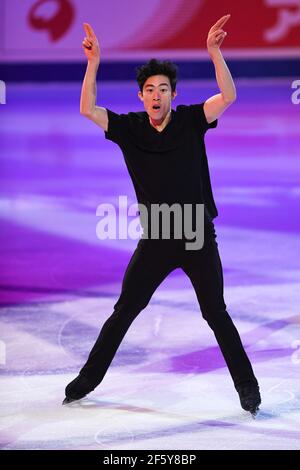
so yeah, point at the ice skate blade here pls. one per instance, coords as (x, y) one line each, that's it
(69, 400)
(254, 413)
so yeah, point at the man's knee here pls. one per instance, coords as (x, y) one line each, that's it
(214, 314)
(125, 308)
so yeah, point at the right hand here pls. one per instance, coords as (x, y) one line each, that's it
(90, 44)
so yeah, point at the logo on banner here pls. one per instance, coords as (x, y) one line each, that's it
(41, 16)
(288, 17)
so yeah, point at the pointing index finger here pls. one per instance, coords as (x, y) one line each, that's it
(221, 22)
(89, 30)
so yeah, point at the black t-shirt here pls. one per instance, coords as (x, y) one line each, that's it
(168, 166)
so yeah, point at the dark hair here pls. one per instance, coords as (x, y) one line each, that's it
(157, 67)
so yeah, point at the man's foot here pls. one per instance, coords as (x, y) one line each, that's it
(250, 398)
(77, 389)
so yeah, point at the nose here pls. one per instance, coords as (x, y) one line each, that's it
(156, 95)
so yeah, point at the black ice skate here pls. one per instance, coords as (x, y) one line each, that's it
(77, 389)
(250, 398)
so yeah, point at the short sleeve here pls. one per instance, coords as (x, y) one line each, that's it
(116, 131)
(197, 115)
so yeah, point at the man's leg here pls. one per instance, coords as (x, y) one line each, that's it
(151, 262)
(204, 269)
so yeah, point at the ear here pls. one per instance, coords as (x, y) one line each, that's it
(140, 95)
(174, 94)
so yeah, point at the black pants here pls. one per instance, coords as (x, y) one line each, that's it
(150, 264)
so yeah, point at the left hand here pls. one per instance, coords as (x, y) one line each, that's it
(216, 34)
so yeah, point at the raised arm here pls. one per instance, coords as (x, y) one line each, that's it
(88, 106)
(216, 105)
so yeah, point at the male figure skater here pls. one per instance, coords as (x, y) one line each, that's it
(165, 155)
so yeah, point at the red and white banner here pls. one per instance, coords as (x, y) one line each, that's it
(46, 30)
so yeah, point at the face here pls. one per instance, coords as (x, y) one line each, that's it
(157, 97)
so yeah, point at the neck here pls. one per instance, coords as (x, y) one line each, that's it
(161, 123)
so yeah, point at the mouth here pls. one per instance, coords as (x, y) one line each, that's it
(156, 107)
